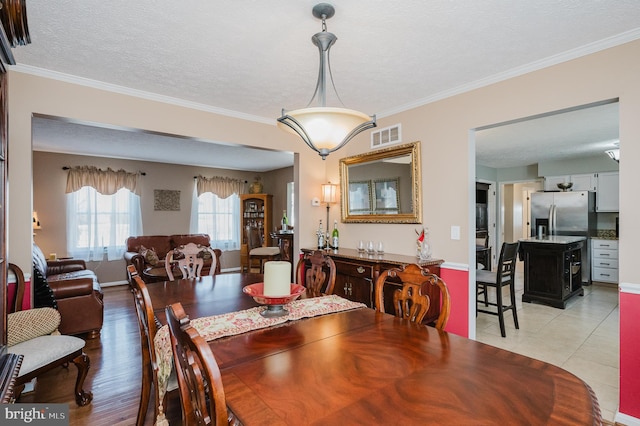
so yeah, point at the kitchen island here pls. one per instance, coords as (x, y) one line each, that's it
(552, 269)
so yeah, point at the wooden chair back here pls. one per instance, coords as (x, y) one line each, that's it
(148, 326)
(320, 277)
(412, 301)
(201, 393)
(191, 261)
(14, 303)
(254, 237)
(507, 262)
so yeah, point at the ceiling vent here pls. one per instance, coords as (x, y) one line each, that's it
(386, 136)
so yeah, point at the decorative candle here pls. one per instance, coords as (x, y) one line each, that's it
(277, 278)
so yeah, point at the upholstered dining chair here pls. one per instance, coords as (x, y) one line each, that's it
(34, 334)
(257, 250)
(412, 300)
(201, 393)
(319, 277)
(189, 260)
(148, 325)
(503, 276)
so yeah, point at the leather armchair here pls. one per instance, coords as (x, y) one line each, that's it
(76, 291)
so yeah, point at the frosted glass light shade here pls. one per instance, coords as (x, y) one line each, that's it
(325, 127)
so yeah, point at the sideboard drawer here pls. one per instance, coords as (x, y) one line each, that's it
(353, 269)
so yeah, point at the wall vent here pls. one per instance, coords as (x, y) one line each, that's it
(387, 136)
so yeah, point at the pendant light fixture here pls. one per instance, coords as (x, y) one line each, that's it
(325, 129)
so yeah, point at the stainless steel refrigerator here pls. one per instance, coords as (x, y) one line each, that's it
(566, 213)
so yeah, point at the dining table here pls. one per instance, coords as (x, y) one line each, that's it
(360, 366)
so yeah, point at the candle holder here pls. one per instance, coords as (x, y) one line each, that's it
(274, 304)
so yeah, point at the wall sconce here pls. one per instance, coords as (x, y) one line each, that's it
(329, 196)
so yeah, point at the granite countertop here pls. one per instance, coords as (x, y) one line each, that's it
(554, 239)
(606, 234)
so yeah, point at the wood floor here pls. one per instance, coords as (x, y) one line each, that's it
(115, 373)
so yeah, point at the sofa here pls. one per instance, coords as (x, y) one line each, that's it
(70, 287)
(148, 253)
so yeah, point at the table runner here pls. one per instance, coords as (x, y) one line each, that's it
(232, 323)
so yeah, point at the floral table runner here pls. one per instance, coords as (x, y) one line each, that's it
(232, 323)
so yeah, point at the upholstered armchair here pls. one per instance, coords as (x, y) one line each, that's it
(34, 334)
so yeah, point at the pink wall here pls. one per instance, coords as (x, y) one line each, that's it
(458, 284)
(630, 356)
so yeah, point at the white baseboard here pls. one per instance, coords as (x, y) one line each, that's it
(626, 419)
(226, 270)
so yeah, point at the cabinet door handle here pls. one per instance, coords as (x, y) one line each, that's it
(605, 264)
(605, 254)
(360, 269)
(348, 290)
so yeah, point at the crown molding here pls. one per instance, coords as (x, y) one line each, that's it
(81, 81)
(569, 55)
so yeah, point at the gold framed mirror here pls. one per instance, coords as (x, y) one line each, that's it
(382, 186)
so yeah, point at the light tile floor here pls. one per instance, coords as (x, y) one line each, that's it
(582, 338)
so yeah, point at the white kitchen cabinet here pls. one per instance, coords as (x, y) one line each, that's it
(608, 194)
(551, 182)
(581, 182)
(586, 182)
(604, 260)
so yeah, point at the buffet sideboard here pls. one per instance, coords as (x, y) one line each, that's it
(356, 274)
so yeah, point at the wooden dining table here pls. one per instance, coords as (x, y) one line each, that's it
(364, 367)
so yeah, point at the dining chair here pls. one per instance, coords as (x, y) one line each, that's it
(189, 259)
(257, 250)
(413, 299)
(148, 325)
(317, 273)
(503, 276)
(201, 392)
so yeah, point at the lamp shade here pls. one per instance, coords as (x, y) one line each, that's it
(329, 193)
(325, 127)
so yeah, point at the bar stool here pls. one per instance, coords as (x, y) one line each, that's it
(502, 277)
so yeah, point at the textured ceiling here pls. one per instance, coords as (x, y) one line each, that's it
(252, 58)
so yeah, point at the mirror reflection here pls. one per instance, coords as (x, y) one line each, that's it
(382, 186)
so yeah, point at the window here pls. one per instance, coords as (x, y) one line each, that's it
(219, 218)
(99, 224)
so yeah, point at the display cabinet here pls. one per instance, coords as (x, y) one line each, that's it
(255, 210)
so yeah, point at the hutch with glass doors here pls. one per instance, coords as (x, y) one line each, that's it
(256, 211)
